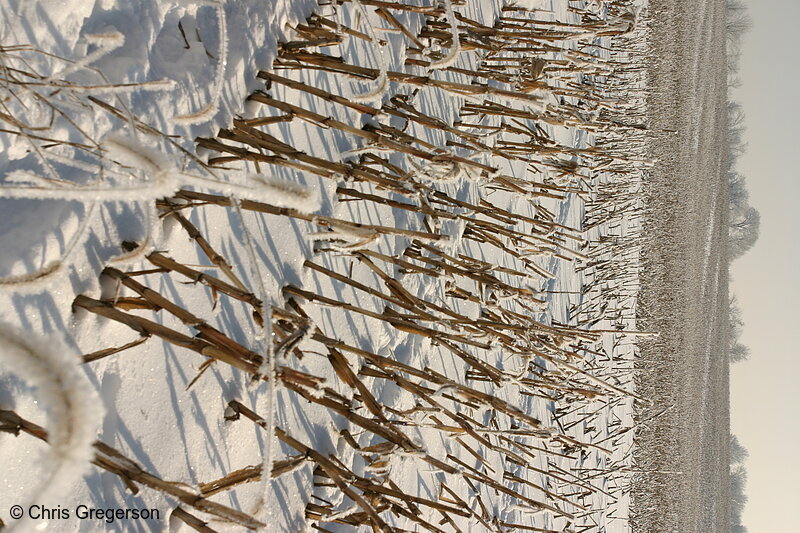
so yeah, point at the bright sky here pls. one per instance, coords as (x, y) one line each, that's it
(765, 391)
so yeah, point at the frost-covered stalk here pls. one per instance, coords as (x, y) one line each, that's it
(449, 59)
(163, 185)
(208, 111)
(106, 42)
(382, 82)
(261, 187)
(267, 369)
(74, 409)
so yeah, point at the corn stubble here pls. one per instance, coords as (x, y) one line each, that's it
(532, 74)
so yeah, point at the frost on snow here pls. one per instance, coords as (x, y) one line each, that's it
(75, 411)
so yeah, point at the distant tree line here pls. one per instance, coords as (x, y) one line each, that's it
(744, 220)
(743, 232)
(737, 23)
(738, 485)
(736, 350)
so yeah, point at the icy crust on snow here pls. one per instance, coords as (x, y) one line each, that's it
(179, 69)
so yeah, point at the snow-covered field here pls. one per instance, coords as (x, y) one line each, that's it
(393, 264)
(684, 459)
